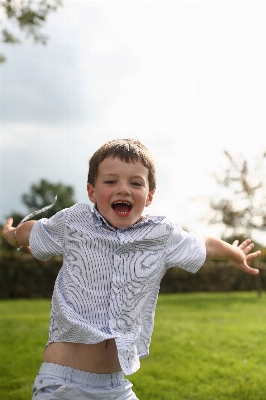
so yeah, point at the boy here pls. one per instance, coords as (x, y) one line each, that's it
(114, 258)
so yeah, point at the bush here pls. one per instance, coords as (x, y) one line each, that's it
(214, 276)
(22, 276)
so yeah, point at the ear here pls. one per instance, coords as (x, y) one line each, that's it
(91, 193)
(149, 198)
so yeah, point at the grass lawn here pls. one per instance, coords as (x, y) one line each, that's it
(204, 346)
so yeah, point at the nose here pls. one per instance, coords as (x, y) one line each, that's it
(123, 188)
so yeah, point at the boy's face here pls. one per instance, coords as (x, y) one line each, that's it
(121, 191)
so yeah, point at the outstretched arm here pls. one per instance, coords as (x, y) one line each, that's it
(22, 235)
(219, 250)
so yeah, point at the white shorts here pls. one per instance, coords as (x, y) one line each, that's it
(56, 382)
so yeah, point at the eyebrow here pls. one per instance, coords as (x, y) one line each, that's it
(133, 176)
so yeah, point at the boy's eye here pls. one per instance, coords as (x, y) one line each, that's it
(137, 184)
(110, 182)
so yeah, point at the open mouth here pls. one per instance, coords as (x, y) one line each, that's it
(122, 208)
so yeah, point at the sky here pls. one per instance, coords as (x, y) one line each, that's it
(186, 78)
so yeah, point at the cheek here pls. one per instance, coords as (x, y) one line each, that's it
(103, 199)
(142, 200)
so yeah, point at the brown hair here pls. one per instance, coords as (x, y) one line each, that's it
(128, 150)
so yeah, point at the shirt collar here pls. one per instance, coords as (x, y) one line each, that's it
(99, 220)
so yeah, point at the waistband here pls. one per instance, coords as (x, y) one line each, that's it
(71, 375)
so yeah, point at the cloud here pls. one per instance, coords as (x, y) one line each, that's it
(69, 81)
(42, 92)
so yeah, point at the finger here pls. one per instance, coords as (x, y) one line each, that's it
(252, 271)
(27, 248)
(8, 225)
(252, 256)
(9, 222)
(246, 268)
(235, 243)
(248, 248)
(244, 244)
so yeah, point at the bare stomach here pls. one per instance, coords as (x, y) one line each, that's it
(100, 358)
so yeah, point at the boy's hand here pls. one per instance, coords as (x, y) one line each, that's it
(246, 248)
(22, 236)
(8, 232)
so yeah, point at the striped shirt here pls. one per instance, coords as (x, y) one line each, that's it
(109, 281)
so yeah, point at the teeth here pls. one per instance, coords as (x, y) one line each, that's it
(122, 202)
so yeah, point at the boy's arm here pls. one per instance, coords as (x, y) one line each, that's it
(217, 249)
(19, 236)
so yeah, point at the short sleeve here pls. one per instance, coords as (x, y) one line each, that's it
(185, 250)
(47, 237)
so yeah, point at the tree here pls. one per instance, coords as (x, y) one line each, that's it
(241, 203)
(26, 16)
(42, 194)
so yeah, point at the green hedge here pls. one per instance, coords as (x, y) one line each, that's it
(22, 276)
(214, 276)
